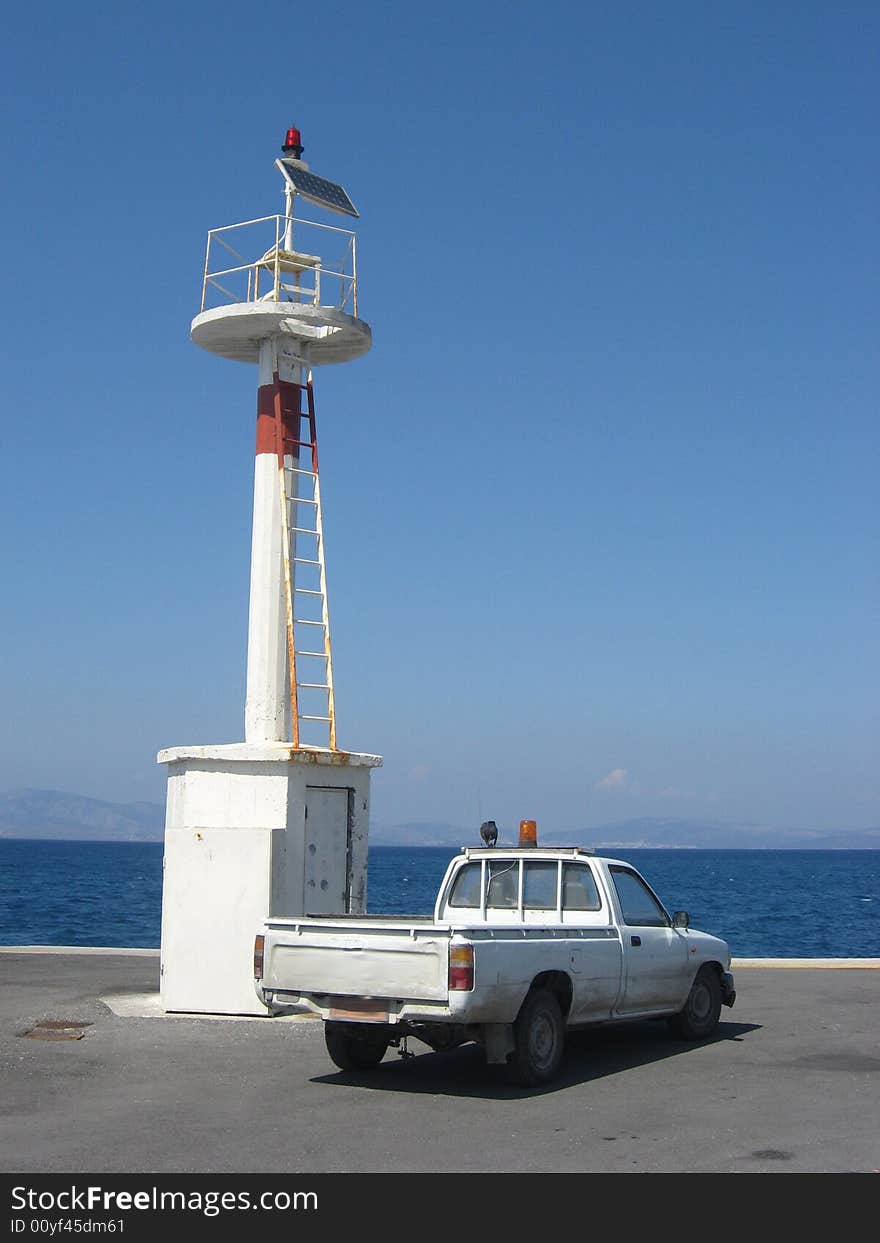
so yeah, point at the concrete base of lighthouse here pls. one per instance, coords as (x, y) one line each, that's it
(253, 830)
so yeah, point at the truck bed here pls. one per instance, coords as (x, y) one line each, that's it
(358, 956)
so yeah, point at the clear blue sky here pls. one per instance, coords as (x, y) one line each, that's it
(601, 504)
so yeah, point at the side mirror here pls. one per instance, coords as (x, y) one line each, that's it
(681, 919)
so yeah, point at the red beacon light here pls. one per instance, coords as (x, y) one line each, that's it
(293, 145)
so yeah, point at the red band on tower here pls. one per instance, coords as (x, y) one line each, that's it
(283, 398)
(266, 419)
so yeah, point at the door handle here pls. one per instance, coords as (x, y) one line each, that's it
(635, 940)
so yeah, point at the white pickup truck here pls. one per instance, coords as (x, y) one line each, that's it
(524, 943)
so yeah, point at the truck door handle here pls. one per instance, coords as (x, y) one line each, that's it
(635, 940)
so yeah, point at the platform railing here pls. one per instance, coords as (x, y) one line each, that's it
(286, 268)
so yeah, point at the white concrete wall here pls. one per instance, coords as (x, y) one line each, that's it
(215, 888)
(235, 853)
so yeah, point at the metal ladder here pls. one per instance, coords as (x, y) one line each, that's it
(310, 667)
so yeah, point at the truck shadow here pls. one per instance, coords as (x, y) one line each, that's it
(589, 1055)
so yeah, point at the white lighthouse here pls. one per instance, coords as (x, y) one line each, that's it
(277, 824)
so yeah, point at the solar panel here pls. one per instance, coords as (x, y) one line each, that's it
(317, 189)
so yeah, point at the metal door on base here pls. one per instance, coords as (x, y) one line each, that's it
(327, 873)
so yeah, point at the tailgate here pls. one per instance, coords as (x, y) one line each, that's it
(361, 962)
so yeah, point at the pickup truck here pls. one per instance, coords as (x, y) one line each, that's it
(524, 944)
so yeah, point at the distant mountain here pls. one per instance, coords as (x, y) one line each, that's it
(423, 833)
(718, 835)
(647, 832)
(59, 815)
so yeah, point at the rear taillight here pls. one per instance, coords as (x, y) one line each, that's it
(461, 968)
(259, 945)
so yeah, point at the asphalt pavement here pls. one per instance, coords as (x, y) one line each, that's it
(93, 1077)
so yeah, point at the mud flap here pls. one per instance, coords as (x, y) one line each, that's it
(498, 1042)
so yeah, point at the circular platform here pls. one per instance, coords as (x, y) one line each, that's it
(236, 331)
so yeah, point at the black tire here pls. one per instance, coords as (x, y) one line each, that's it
(539, 1036)
(699, 1017)
(355, 1046)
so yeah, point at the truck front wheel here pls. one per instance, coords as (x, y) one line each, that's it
(699, 1018)
(539, 1036)
(355, 1046)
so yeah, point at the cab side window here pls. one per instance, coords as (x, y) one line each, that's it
(579, 892)
(466, 888)
(638, 905)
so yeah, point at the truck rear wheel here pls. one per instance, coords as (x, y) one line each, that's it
(539, 1035)
(355, 1046)
(699, 1017)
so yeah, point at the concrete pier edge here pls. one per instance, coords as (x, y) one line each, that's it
(148, 1006)
(116, 951)
(735, 962)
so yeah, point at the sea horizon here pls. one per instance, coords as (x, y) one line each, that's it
(764, 902)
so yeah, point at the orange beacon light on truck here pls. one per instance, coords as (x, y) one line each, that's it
(528, 833)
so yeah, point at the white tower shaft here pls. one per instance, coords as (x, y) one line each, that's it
(290, 694)
(267, 705)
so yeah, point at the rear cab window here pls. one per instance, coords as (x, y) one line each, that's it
(502, 884)
(540, 880)
(531, 891)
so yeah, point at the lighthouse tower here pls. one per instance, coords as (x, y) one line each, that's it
(277, 824)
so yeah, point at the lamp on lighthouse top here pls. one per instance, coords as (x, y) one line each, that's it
(285, 275)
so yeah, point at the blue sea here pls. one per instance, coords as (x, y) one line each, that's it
(765, 903)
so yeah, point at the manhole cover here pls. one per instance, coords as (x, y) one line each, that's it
(57, 1029)
(44, 1033)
